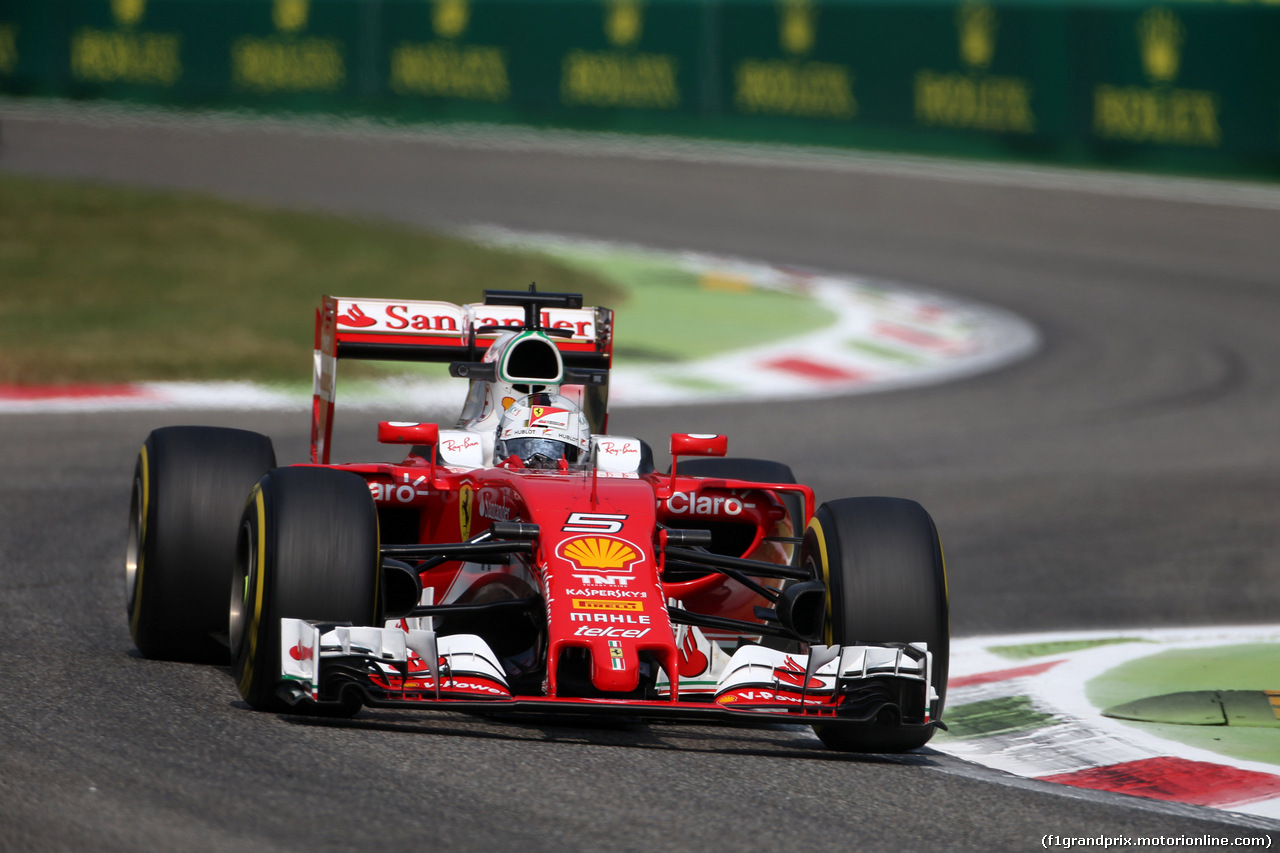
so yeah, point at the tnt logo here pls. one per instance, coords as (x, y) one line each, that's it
(604, 580)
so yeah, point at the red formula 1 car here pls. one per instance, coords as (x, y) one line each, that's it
(524, 559)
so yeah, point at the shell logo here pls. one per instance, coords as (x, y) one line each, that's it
(602, 553)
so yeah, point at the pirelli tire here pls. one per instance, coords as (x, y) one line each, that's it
(189, 486)
(886, 582)
(308, 549)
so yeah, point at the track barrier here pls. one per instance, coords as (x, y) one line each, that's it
(1185, 86)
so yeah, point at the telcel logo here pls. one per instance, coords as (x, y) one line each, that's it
(627, 633)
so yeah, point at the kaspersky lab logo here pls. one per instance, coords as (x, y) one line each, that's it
(1160, 38)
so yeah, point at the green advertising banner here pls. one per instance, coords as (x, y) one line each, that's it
(1187, 85)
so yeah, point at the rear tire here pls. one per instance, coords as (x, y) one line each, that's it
(308, 549)
(189, 487)
(886, 583)
(754, 470)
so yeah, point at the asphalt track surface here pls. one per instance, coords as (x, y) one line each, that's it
(1127, 475)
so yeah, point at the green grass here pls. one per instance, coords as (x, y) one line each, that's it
(1035, 650)
(1246, 667)
(675, 315)
(108, 284)
(1001, 716)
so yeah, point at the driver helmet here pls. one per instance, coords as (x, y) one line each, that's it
(546, 431)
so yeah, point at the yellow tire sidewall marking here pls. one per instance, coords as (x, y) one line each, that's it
(246, 678)
(821, 536)
(136, 592)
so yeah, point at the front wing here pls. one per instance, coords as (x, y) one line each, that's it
(395, 668)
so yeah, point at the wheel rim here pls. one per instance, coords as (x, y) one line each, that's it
(134, 549)
(246, 568)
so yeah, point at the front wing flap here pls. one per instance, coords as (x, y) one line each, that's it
(391, 667)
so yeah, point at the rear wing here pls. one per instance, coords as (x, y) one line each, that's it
(441, 332)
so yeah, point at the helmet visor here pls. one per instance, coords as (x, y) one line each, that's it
(541, 453)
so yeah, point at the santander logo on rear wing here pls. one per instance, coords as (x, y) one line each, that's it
(418, 330)
(355, 318)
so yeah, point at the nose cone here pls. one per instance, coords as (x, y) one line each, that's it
(600, 578)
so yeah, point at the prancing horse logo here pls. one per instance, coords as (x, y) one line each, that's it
(464, 511)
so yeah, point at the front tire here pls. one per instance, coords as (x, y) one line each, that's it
(308, 549)
(189, 486)
(886, 583)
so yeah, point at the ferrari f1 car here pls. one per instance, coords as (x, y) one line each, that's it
(525, 559)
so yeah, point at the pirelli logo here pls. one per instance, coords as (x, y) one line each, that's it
(601, 604)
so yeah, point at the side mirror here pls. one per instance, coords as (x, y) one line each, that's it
(397, 432)
(693, 444)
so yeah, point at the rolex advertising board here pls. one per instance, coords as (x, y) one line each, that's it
(585, 62)
(12, 23)
(444, 55)
(991, 68)
(791, 59)
(124, 45)
(1182, 76)
(295, 52)
(618, 56)
(1182, 85)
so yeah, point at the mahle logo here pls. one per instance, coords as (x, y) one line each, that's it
(1160, 37)
(449, 18)
(977, 24)
(290, 16)
(796, 26)
(623, 22)
(128, 12)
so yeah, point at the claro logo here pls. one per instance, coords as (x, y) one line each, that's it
(686, 503)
